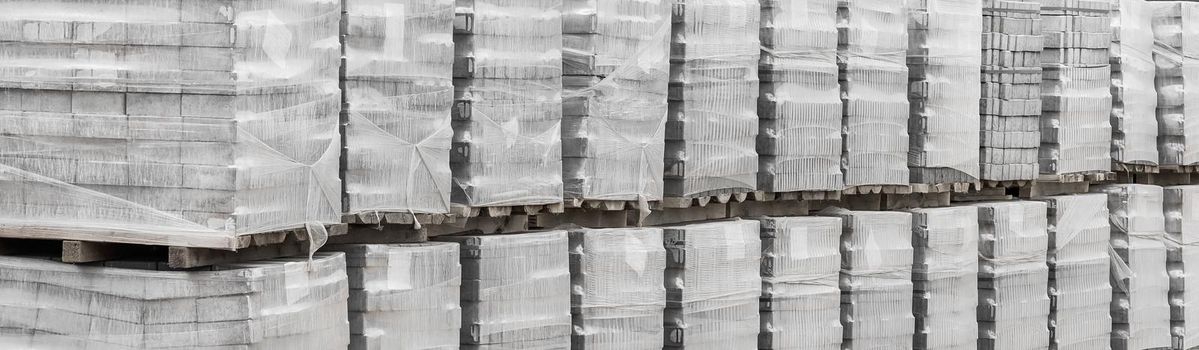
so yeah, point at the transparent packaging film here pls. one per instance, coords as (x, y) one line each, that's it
(617, 290)
(1176, 55)
(1010, 108)
(1134, 100)
(1140, 281)
(1076, 131)
(713, 285)
(1013, 303)
(800, 303)
(1181, 206)
(944, 275)
(1079, 271)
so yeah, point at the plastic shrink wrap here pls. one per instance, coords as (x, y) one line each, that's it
(1134, 101)
(1079, 271)
(1181, 205)
(799, 104)
(617, 291)
(876, 279)
(945, 277)
(712, 285)
(616, 68)
(943, 57)
(507, 115)
(403, 296)
(801, 302)
(1176, 55)
(398, 90)
(1009, 131)
(1076, 131)
(872, 44)
(277, 304)
(159, 121)
(1013, 302)
(712, 125)
(1140, 306)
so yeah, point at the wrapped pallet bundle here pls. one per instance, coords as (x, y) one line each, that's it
(1134, 101)
(617, 291)
(278, 304)
(507, 115)
(799, 105)
(712, 126)
(515, 291)
(1176, 55)
(943, 57)
(801, 302)
(1079, 269)
(161, 123)
(871, 50)
(876, 279)
(1181, 205)
(945, 277)
(1009, 131)
(1013, 302)
(1140, 305)
(616, 67)
(399, 55)
(712, 285)
(403, 296)
(1076, 131)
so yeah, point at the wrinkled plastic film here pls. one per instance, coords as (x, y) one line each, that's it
(1140, 304)
(712, 285)
(288, 303)
(1010, 108)
(617, 290)
(1076, 131)
(1181, 206)
(1176, 56)
(1079, 271)
(398, 94)
(1013, 306)
(943, 57)
(945, 277)
(800, 304)
(1134, 101)
(189, 124)
(799, 104)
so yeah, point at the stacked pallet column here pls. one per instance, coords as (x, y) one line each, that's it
(1010, 107)
(1176, 55)
(1013, 303)
(801, 302)
(712, 285)
(1140, 309)
(1079, 271)
(1181, 203)
(945, 277)
(617, 295)
(1134, 101)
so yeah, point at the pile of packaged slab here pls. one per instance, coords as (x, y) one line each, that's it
(1011, 90)
(1013, 306)
(1176, 55)
(515, 291)
(1140, 309)
(712, 127)
(1134, 101)
(943, 58)
(507, 147)
(712, 285)
(801, 301)
(403, 296)
(398, 92)
(799, 139)
(281, 304)
(194, 123)
(1079, 270)
(876, 279)
(945, 277)
(617, 291)
(871, 52)
(1182, 246)
(616, 67)
(1076, 132)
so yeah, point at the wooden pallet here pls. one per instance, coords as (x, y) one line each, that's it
(1052, 185)
(703, 199)
(1094, 176)
(1135, 168)
(877, 189)
(606, 205)
(390, 218)
(1183, 169)
(796, 196)
(462, 211)
(959, 187)
(1004, 183)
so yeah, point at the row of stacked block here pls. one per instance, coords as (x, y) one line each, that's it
(1010, 107)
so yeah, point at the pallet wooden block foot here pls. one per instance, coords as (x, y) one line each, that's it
(84, 252)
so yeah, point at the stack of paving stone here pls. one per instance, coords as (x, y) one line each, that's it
(1013, 306)
(1134, 101)
(1076, 132)
(1176, 55)
(799, 143)
(617, 294)
(1140, 306)
(616, 67)
(515, 291)
(1011, 90)
(507, 116)
(801, 302)
(712, 285)
(945, 277)
(398, 93)
(876, 279)
(403, 296)
(1079, 271)
(712, 127)
(204, 120)
(943, 58)
(871, 52)
(279, 304)
(1181, 204)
